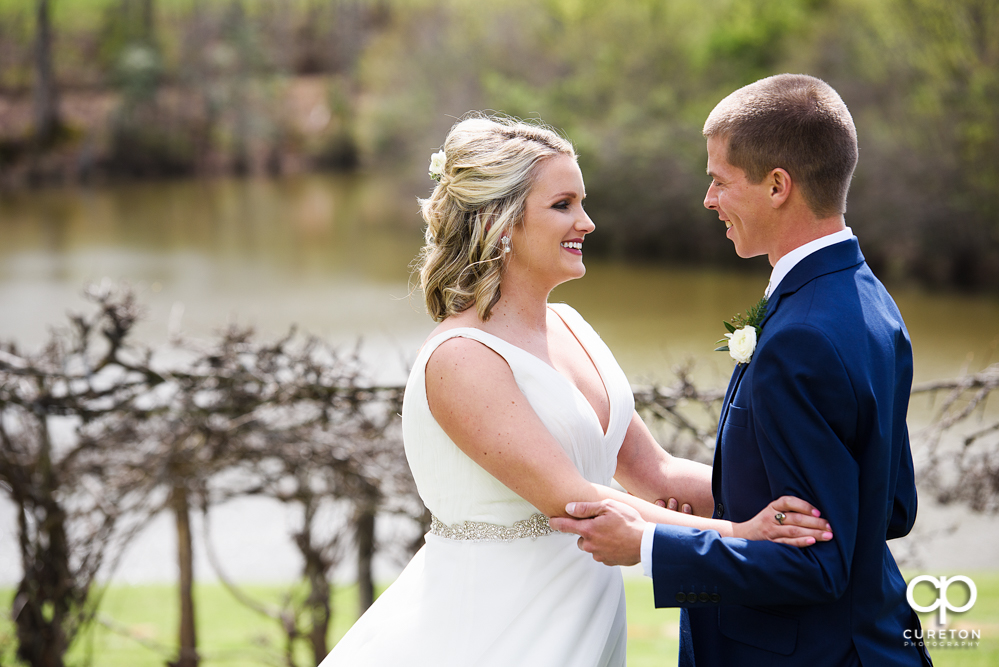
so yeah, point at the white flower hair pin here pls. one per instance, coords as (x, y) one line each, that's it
(743, 332)
(437, 165)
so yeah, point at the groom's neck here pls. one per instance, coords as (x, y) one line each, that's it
(802, 230)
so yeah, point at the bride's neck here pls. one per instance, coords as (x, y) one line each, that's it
(520, 311)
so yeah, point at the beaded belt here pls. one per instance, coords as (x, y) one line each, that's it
(533, 527)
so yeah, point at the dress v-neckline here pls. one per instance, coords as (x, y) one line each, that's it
(596, 367)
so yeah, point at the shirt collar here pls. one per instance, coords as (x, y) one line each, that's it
(791, 259)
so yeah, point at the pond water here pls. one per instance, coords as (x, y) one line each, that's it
(332, 254)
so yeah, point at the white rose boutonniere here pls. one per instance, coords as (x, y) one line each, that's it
(742, 344)
(743, 332)
(437, 165)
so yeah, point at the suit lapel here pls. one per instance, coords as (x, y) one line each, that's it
(827, 260)
(830, 259)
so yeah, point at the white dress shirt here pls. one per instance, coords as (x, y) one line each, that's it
(791, 259)
(781, 269)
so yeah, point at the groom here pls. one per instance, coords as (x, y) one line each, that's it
(817, 411)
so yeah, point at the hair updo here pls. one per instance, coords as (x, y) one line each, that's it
(489, 168)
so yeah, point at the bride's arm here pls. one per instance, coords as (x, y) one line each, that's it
(475, 399)
(648, 471)
(473, 396)
(801, 525)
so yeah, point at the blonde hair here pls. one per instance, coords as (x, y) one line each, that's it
(489, 168)
(797, 123)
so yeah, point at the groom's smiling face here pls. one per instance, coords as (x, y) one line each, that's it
(744, 207)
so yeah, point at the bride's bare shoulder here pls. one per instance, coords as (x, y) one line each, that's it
(460, 373)
(459, 321)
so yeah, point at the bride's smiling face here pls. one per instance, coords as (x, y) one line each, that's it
(548, 246)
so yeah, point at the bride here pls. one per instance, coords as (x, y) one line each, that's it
(515, 407)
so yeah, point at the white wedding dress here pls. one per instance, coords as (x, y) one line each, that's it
(494, 586)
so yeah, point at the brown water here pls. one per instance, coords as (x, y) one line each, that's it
(332, 255)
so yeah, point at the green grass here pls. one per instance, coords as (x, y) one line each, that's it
(653, 634)
(230, 634)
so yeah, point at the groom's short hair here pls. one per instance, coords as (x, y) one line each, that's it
(794, 122)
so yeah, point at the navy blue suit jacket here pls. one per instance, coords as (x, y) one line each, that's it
(818, 413)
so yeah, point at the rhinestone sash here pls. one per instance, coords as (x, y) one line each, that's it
(534, 527)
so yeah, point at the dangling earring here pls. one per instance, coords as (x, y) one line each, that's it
(505, 242)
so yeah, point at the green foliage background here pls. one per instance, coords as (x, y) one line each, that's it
(631, 82)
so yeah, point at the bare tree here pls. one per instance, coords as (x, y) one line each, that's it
(314, 435)
(292, 419)
(48, 124)
(97, 435)
(77, 503)
(961, 442)
(684, 417)
(148, 12)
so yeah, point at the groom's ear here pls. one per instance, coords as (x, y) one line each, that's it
(780, 187)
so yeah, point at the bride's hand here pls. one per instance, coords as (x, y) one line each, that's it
(673, 504)
(801, 525)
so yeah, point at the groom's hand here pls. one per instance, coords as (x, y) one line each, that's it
(610, 530)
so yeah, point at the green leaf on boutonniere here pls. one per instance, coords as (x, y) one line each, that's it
(752, 318)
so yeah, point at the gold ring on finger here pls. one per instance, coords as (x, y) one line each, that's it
(780, 516)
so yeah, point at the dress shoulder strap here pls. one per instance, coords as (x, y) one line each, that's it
(571, 317)
(580, 328)
(495, 343)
